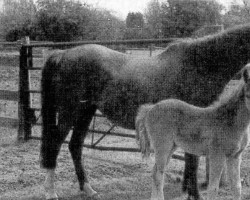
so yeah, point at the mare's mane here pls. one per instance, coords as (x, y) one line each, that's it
(215, 50)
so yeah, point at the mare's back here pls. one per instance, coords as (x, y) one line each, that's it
(87, 57)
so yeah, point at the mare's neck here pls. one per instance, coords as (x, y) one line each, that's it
(224, 54)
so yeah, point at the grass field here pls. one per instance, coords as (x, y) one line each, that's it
(115, 175)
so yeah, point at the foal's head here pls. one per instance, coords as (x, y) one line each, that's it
(246, 78)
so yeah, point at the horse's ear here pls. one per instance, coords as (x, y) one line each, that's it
(245, 75)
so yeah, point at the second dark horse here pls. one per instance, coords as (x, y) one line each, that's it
(194, 71)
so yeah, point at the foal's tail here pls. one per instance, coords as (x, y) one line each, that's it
(142, 135)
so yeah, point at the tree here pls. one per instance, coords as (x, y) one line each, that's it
(180, 18)
(236, 15)
(17, 19)
(153, 19)
(134, 20)
(61, 20)
(67, 20)
(103, 25)
(135, 26)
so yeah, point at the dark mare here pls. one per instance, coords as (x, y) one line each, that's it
(194, 71)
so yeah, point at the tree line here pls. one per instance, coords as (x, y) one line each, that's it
(70, 20)
(58, 20)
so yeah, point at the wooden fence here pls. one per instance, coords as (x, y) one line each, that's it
(13, 61)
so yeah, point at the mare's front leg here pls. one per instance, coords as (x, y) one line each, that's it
(233, 167)
(217, 161)
(76, 143)
(190, 183)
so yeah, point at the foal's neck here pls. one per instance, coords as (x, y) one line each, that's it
(235, 115)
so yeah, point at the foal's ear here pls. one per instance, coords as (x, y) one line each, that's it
(245, 75)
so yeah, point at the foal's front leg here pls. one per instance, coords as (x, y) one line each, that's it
(76, 144)
(216, 161)
(162, 156)
(233, 166)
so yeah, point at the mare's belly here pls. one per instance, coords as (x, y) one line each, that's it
(120, 110)
(120, 100)
(119, 116)
(193, 146)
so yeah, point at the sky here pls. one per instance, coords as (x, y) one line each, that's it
(122, 7)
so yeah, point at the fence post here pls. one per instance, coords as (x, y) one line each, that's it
(151, 49)
(24, 130)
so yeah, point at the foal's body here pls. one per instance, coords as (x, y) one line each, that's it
(218, 131)
(194, 71)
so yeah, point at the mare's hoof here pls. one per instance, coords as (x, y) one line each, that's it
(95, 196)
(52, 197)
(195, 198)
(204, 185)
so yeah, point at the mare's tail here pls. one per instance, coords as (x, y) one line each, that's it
(142, 135)
(48, 110)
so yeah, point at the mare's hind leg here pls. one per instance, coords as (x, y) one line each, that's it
(51, 144)
(217, 162)
(190, 183)
(163, 154)
(233, 167)
(86, 113)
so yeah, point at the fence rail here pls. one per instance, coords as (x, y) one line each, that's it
(108, 42)
(9, 122)
(9, 95)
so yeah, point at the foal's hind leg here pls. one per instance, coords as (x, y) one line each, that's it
(76, 143)
(163, 154)
(233, 167)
